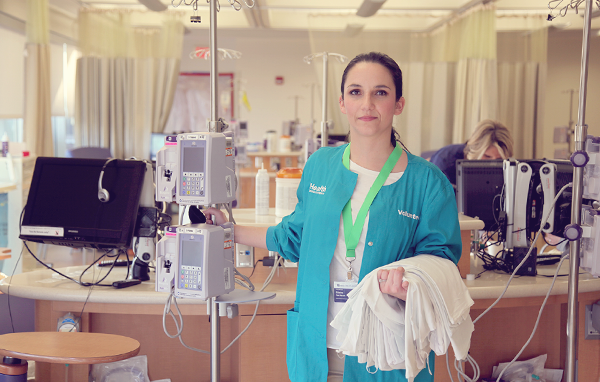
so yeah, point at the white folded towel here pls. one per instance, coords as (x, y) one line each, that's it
(388, 333)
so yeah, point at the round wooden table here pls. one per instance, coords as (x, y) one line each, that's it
(67, 347)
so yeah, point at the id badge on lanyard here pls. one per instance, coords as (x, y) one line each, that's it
(352, 231)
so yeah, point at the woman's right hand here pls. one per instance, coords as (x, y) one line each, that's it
(217, 214)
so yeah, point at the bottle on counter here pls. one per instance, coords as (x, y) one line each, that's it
(271, 141)
(261, 194)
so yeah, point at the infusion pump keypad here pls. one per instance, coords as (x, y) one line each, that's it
(190, 277)
(192, 184)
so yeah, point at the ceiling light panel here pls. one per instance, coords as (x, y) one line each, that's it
(227, 17)
(406, 22)
(313, 4)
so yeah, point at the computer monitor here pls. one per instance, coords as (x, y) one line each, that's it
(157, 141)
(479, 187)
(63, 207)
(479, 192)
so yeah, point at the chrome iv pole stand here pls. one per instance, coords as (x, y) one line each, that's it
(308, 59)
(214, 126)
(579, 159)
(217, 125)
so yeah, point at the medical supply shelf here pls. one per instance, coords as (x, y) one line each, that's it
(136, 312)
(247, 175)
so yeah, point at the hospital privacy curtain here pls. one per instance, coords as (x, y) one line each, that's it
(126, 80)
(37, 122)
(454, 77)
(522, 71)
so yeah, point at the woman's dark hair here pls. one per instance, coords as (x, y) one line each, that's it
(388, 63)
(381, 59)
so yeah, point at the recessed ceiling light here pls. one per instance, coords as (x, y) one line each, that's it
(353, 29)
(154, 5)
(369, 8)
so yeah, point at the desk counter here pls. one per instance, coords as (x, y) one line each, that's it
(48, 285)
(137, 312)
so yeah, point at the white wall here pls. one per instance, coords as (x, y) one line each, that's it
(564, 68)
(265, 55)
(12, 75)
(12, 45)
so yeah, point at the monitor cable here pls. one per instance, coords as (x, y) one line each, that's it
(80, 282)
(12, 324)
(240, 279)
(471, 360)
(172, 300)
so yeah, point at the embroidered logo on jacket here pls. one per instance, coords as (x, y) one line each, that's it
(404, 213)
(317, 190)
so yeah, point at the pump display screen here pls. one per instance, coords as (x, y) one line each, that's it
(193, 159)
(193, 168)
(191, 253)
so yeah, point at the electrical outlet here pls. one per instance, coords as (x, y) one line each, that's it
(244, 256)
(590, 332)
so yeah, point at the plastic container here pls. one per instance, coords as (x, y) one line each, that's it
(286, 186)
(285, 144)
(271, 141)
(261, 193)
(5, 145)
(254, 147)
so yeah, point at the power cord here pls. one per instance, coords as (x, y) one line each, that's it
(80, 282)
(536, 321)
(8, 289)
(240, 279)
(525, 257)
(471, 360)
(172, 300)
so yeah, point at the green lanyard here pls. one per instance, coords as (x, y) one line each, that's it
(352, 231)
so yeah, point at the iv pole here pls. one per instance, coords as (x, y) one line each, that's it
(217, 126)
(324, 132)
(308, 59)
(580, 137)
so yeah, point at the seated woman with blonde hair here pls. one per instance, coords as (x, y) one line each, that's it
(490, 140)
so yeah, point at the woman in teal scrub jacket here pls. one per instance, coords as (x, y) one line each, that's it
(408, 208)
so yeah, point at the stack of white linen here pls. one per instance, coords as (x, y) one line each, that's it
(389, 333)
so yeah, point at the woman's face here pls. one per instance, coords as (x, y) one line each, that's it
(369, 100)
(491, 153)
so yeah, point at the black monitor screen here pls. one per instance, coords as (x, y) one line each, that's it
(479, 192)
(63, 206)
(479, 186)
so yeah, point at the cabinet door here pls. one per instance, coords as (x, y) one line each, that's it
(263, 349)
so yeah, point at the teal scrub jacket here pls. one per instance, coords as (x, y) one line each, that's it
(415, 215)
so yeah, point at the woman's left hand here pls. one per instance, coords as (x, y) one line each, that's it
(390, 282)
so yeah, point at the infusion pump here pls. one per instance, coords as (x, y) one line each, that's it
(196, 169)
(196, 260)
